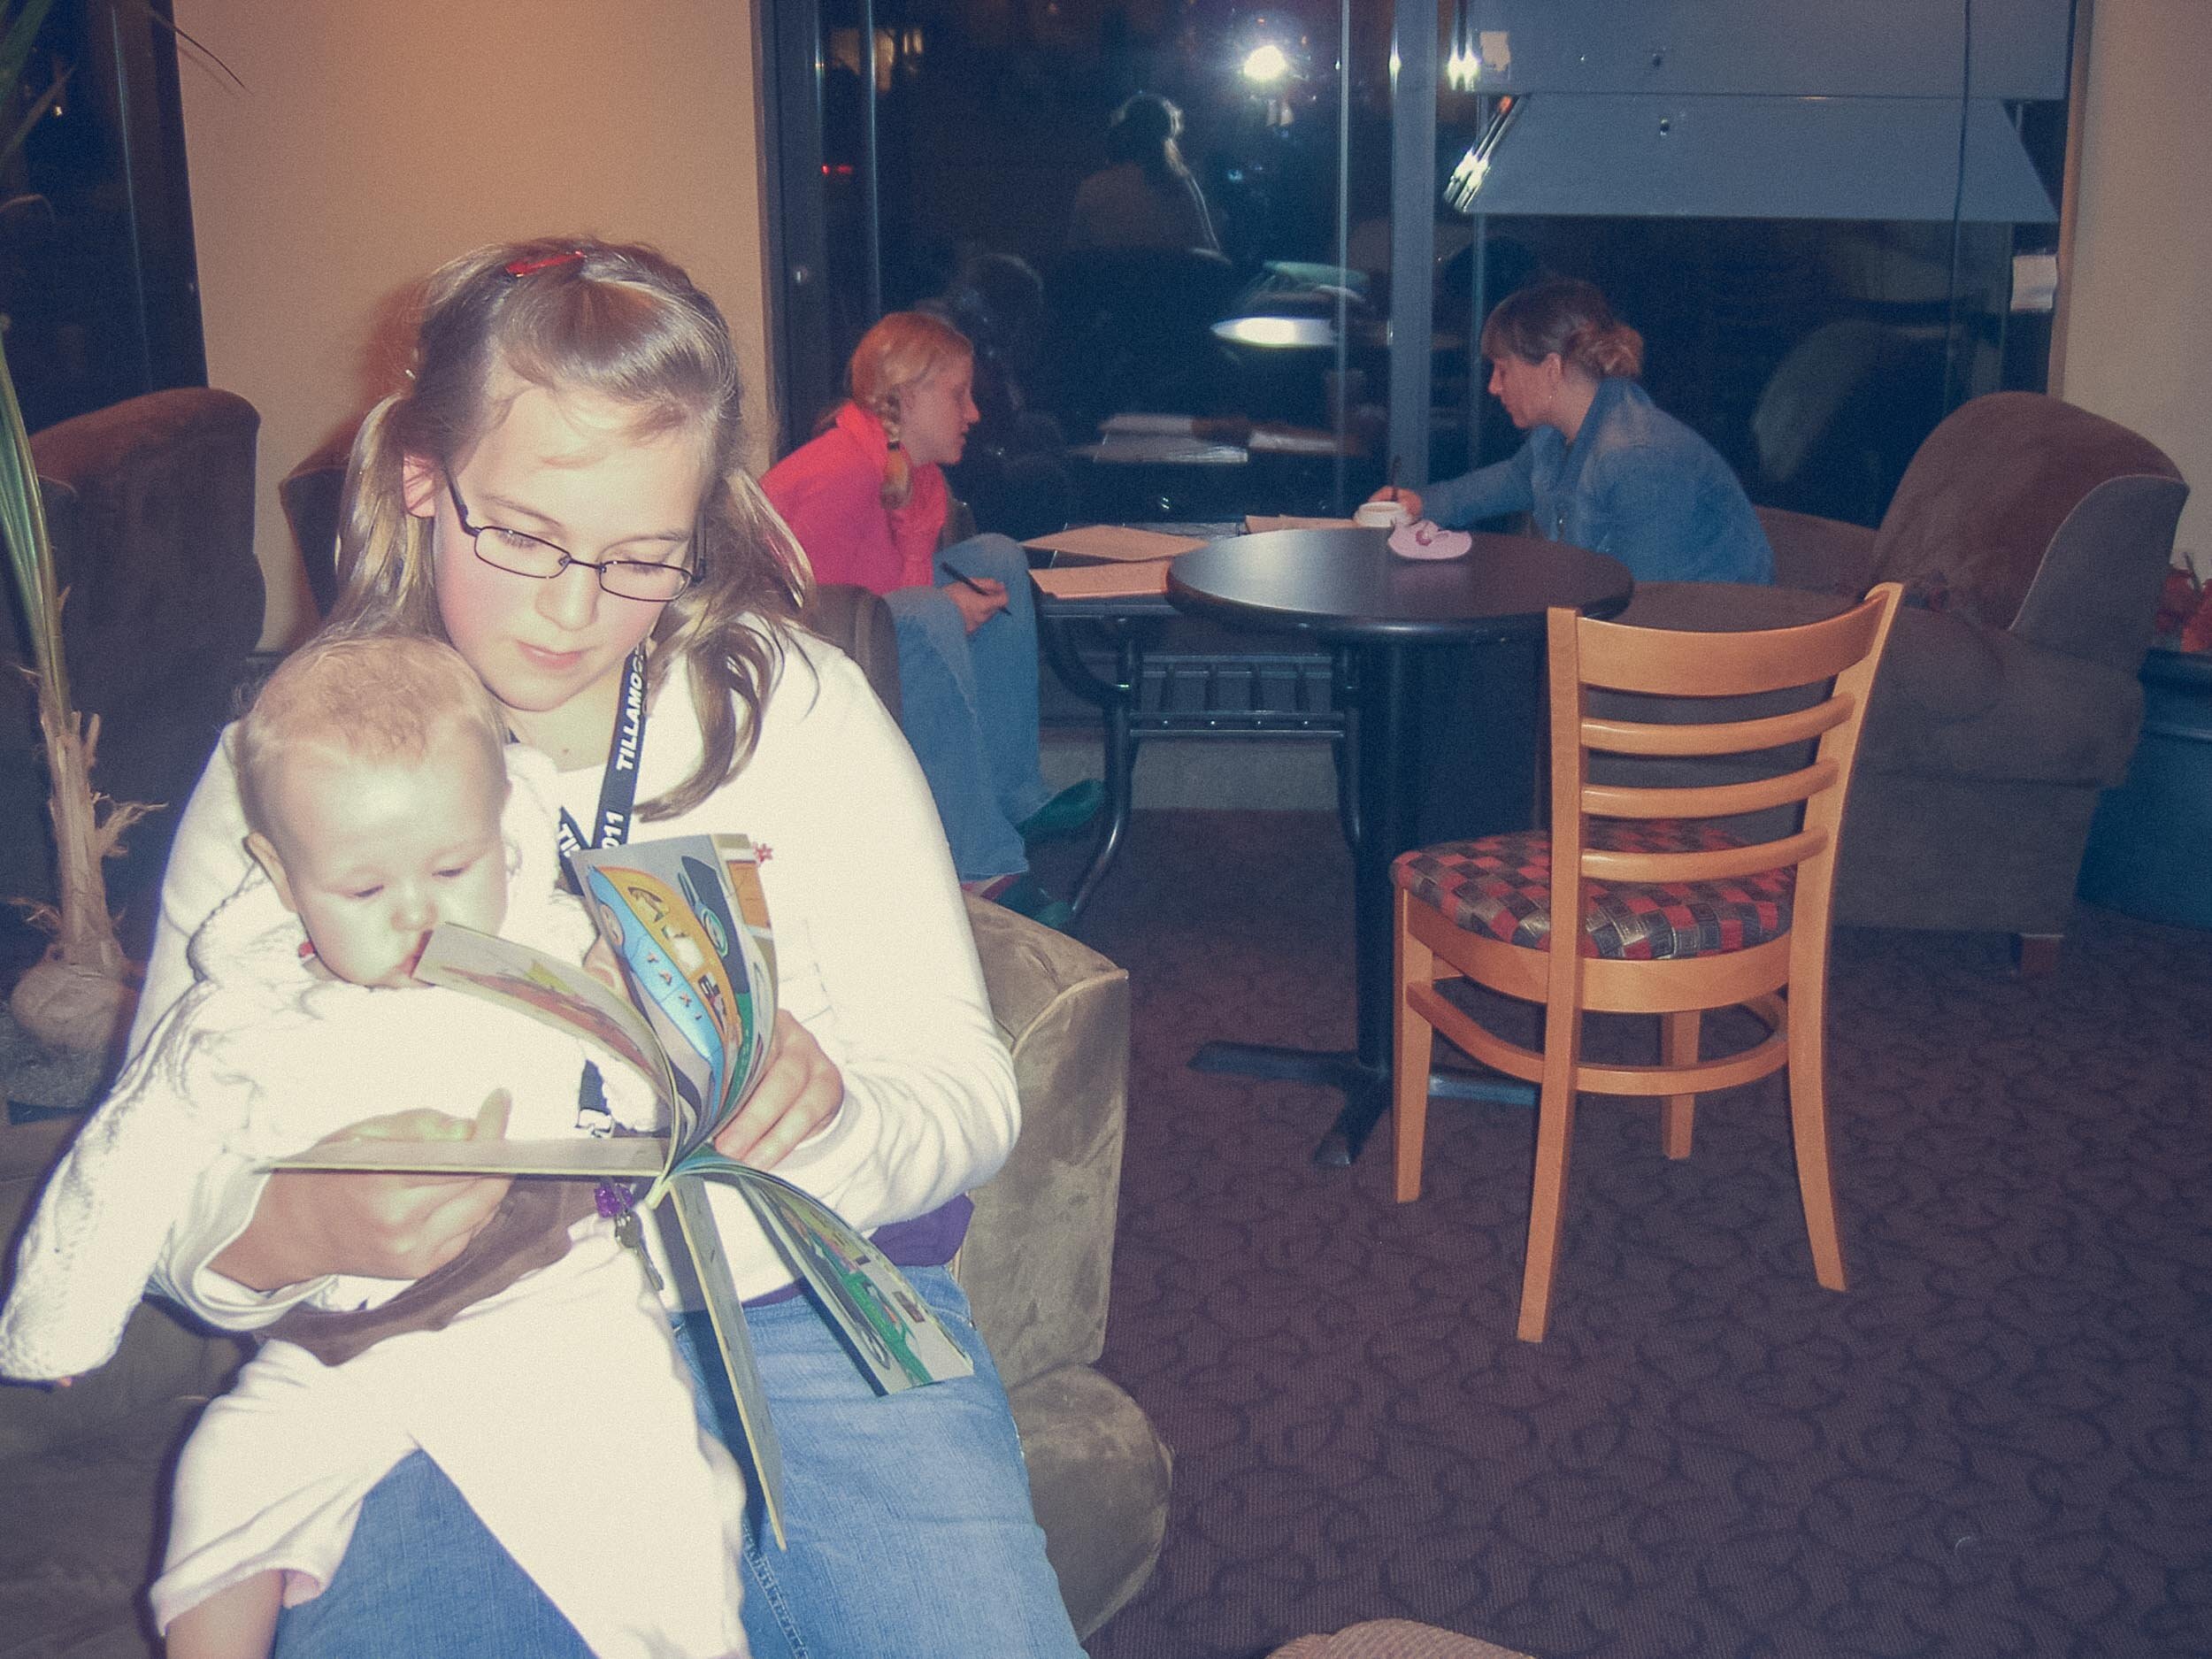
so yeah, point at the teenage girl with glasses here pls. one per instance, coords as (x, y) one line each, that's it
(568, 443)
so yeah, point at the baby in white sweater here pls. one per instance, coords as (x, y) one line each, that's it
(538, 1372)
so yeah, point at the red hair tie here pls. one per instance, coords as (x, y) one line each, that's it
(531, 267)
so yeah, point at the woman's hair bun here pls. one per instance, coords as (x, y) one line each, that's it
(1610, 353)
(1570, 317)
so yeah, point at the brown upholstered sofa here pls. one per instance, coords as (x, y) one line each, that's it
(2032, 537)
(1041, 1252)
(150, 505)
(84, 1470)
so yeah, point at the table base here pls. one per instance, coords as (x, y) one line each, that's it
(1366, 1088)
(1216, 693)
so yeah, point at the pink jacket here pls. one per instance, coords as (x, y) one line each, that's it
(830, 492)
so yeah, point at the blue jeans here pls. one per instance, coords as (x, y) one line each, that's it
(968, 703)
(907, 1516)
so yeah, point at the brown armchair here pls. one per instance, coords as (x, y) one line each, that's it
(150, 505)
(2031, 538)
(1041, 1251)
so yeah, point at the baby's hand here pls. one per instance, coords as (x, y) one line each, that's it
(422, 1123)
(602, 963)
(310, 1222)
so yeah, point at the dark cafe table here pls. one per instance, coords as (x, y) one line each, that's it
(1346, 588)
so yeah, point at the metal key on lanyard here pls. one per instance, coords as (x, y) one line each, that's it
(614, 1204)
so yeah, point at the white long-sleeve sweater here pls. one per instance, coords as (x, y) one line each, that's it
(260, 1058)
(873, 955)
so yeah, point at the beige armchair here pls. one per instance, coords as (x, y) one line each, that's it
(1041, 1251)
(85, 1469)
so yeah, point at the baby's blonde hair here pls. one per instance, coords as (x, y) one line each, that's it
(367, 698)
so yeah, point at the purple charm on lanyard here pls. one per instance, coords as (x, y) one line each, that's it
(613, 1204)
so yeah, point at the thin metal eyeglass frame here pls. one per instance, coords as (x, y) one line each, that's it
(474, 532)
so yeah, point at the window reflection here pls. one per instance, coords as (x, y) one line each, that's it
(1183, 313)
(95, 265)
(1135, 210)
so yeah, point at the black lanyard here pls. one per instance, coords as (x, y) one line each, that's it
(618, 794)
(618, 785)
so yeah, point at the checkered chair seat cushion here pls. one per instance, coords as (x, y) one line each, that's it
(1502, 886)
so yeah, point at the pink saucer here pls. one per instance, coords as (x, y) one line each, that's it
(1422, 540)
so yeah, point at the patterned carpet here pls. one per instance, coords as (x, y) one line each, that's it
(1994, 1445)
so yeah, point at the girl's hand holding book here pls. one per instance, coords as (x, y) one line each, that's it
(799, 1091)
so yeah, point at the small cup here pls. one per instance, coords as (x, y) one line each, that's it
(1381, 515)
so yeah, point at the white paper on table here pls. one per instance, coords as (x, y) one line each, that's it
(1156, 426)
(1162, 448)
(1274, 440)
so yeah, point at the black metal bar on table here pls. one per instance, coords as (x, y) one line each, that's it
(1130, 627)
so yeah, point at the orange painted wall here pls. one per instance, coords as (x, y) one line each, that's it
(371, 144)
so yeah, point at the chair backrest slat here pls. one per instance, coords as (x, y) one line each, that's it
(1717, 799)
(1665, 663)
(1721, 737)
(1842, 649)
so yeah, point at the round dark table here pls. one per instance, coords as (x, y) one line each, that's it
(1347, 587)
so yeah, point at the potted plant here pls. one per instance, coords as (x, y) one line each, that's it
(80, 996)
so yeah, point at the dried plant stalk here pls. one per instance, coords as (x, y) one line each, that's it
(92, 826)
(85, 835)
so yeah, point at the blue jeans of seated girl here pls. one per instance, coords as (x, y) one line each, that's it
(968, 703)
(908, 1515)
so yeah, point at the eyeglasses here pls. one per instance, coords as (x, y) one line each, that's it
(522, 554)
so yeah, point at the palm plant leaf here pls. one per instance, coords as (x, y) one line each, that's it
(22, 511)
(19, 30)
(17, 33)
(33, 116)
(30, 553)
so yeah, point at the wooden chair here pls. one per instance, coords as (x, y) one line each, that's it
(1656, 908)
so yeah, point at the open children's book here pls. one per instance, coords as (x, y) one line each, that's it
(685, 918)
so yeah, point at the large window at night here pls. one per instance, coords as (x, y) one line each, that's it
(1827, 228)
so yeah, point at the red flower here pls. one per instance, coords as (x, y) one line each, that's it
(2196, 633)
(2185, 612)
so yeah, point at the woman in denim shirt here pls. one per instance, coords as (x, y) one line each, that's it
(1604, 467)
